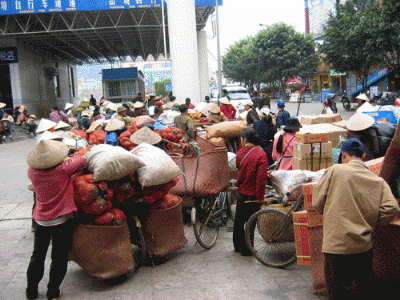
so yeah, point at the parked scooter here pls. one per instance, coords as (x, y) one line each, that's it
(346, 102)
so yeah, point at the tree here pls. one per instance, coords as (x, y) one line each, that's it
(350, 38)
(238, 64)
(283, 53)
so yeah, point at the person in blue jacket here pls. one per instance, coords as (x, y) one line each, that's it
(113, 129)
(282, 116)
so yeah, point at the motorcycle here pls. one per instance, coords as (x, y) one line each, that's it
(346, 102)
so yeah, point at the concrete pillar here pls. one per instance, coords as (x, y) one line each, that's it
(183, 49)
(203, 64)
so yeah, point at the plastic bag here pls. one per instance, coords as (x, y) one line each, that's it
(286, 182)
(232, 161)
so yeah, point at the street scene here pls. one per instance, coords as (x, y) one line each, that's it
(199, 149)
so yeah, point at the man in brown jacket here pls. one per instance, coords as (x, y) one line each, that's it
(353, 200)
(185, 123)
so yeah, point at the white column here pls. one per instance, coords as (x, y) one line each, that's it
(183, 49)
(203, 64)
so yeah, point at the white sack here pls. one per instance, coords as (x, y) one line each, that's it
(109, 163)
(159, 167)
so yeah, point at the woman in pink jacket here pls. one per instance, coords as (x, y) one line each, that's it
(50, 172)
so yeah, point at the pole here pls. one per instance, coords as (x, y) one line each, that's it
(218, 51)
(163, 24)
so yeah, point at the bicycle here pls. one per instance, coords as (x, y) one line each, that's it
(269, 232)
(209, 214)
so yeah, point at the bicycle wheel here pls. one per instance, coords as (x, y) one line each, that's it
(270, 237)
(206, 234)
(138, 244)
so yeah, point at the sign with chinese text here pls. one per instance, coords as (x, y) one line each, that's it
(12, 7)
(8, 55)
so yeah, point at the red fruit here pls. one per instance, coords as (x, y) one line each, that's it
(97, 207)
(85, 191)
(152, 194)
(80, 133)
(105, 219)
(97, 137)
(119, 217)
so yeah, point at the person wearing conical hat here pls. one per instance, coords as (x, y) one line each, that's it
(62, 126)
(45, 124)
(68, 110)
(113, 129)
(215, 115)
(50, 174)
(138, 106)
(47, 135)
(145, 135)
(96, 125)
(2, 105)
(227, 108)
(84, 120)
(6, 124)
(361, 126)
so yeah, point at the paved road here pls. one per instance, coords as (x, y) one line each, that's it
(190, 273)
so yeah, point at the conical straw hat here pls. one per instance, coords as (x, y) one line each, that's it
(225, 100)
(2, 105)
(45, 124)
(359, 122)
(68, 106)
(47, 135)
(213, 108)
(47, 154)
(94, 126)
(145, 135)
(138, 104)
(61, 124)
(363, 97)
(114, 124)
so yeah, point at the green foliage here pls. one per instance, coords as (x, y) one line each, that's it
(363, 35)
(274, 55)
(160, 87)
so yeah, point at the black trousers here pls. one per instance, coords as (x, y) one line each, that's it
(350, 276)
(243, 212)
(60, 236)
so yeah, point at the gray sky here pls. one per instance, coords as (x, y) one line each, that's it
(241, 18)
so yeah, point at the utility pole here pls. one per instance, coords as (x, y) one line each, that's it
(218, 52)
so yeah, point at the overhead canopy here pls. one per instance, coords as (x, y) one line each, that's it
(95, 35)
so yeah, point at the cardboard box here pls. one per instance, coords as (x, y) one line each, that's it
(315, 164)
(314, 218)
(315, 150)
(375, 165)
(307, 193)
(300, 224)
(341, 124)
(320, 119)
(320, 133)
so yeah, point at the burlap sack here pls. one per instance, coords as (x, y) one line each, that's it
(102, 251)
(226, 129)
(163, 231)
(204, 174)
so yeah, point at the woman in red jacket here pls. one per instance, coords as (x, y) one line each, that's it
(51, 176)
(252, 162)
(227, 108)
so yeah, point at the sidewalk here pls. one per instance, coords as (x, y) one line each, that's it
(189, 273)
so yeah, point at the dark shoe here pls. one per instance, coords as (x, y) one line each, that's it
(31, 294)
(53, 294)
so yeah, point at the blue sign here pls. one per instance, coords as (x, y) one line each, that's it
(119, 73)
(13, 7)
(8, 55)
(168, 87)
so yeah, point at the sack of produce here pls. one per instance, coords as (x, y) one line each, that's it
(142, 120)
(204, 174)
(124, 138)
(152, 194)
(163, 230)
(83, 152)
(109, 163)
(158, 166)
(226, 129)
(167, 201)
(86, 190)
(97, 137)
(286, 183)
(80, 133)
(173, 134)
(126, 188)
(113, 217)
(102, 251)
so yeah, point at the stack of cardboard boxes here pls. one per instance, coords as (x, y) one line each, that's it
(312, 152)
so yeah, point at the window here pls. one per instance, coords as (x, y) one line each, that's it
(72, 82)
(56, 81)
